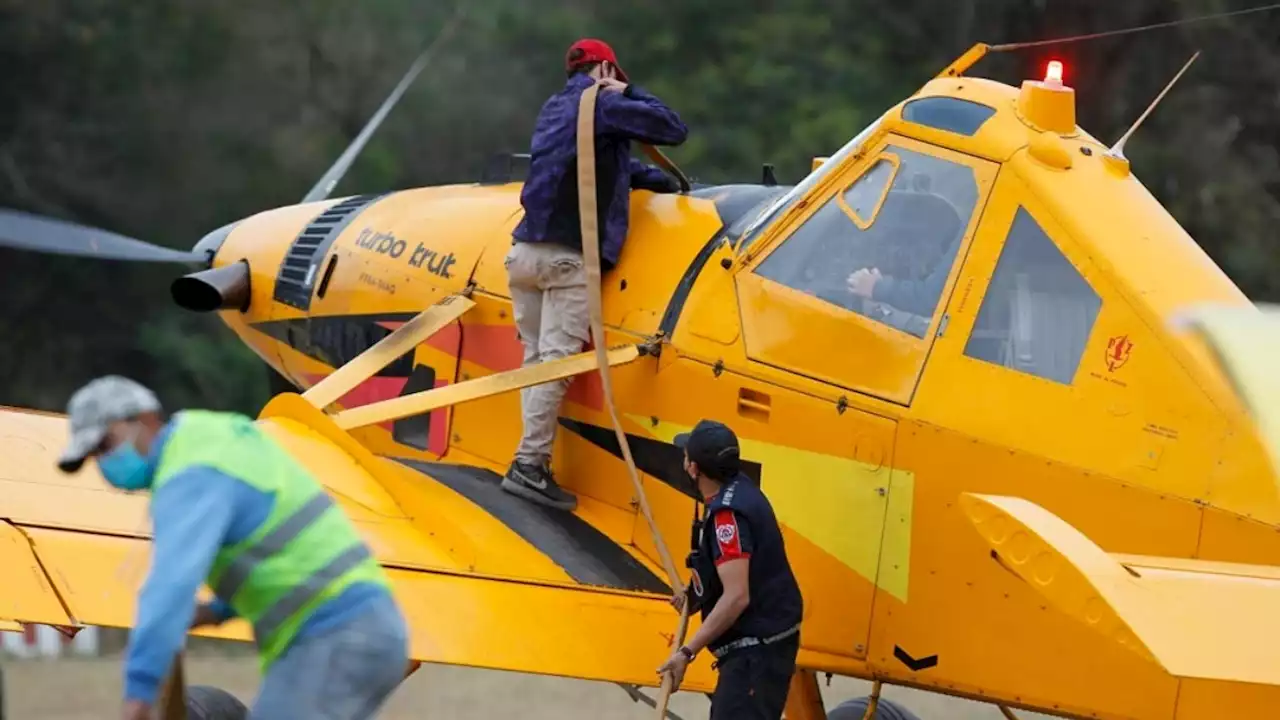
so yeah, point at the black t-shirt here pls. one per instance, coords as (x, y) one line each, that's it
(740, 523)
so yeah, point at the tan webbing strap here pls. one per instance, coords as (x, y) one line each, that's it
(591, 258)
(402, 340)
(665, 163)
(476, 388)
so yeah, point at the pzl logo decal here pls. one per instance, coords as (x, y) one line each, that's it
(725, 533)
(1118, 349)
(384, 243)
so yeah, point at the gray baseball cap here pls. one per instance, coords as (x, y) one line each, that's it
(94, 407)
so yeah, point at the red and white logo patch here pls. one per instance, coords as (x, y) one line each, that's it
(726, 533)
(727, 536)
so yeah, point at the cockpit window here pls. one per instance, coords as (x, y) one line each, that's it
(963, 117)
(862, 199)
(1038, 312)
(761, 219)
(891, 268)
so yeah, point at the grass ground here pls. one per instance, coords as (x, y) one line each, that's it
(89, 689)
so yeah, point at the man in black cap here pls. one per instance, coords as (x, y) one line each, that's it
(741, 582)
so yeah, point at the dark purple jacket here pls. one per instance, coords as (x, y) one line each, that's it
(550, 194)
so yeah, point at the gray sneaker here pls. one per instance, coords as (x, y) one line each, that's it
(535, 483)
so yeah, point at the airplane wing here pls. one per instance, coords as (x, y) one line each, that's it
(484, 579)
(1199, 620)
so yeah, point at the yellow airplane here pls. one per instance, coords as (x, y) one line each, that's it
(1004, 472)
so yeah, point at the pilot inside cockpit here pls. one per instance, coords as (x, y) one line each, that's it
(892, 270)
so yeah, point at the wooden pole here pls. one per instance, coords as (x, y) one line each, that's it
(665, 695)
(172, 704)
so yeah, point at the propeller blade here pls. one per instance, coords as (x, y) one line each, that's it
(25, 231)
(330, 179)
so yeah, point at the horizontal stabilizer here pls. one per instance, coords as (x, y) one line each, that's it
(1196, 619)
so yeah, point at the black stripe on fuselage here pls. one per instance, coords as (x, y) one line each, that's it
(339, 339)
(660, 460)
(585, 553)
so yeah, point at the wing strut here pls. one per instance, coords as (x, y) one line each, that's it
(591, 253)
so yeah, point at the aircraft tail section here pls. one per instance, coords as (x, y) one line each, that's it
(1212, 624)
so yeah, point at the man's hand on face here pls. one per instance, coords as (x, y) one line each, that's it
(612, 84)
(136, 710)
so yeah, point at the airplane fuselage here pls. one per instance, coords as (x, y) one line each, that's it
(1039, 363)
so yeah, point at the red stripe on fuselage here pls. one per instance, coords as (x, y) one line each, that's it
(370, 391)
(445, 340)
(497, 348)
(494, 347)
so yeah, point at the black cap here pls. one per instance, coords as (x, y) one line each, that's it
(714, 448)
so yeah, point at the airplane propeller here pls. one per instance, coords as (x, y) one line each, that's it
(25, 231)
(208, 288)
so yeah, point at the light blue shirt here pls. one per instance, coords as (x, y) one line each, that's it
(197, 512)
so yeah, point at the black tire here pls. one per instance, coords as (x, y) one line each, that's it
(205, 702)
(855, 708)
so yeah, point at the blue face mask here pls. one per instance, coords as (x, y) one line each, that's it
(125, 468)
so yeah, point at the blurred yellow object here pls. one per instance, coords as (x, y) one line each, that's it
(1246, 344)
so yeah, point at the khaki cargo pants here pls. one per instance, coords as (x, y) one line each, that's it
(549, 291)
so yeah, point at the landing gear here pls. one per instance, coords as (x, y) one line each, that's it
(871, 707)
(205, 702)
(856, 709)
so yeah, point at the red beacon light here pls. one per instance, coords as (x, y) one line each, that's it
(1053, 73)
(1048, 105)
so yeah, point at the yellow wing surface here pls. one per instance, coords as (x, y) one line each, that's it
(485, 579)
(1212, 624)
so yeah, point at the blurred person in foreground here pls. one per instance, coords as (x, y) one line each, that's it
(231, 508)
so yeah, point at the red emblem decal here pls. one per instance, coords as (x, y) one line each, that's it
(1118, 349)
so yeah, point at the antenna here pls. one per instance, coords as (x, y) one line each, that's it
(1117, 150)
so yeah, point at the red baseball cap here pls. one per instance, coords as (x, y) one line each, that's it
(590, 50)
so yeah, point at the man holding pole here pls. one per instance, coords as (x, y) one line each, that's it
(741, 582)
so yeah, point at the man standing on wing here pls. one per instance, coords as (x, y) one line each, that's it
(545, 266)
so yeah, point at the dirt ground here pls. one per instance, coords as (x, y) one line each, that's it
(89, 689)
